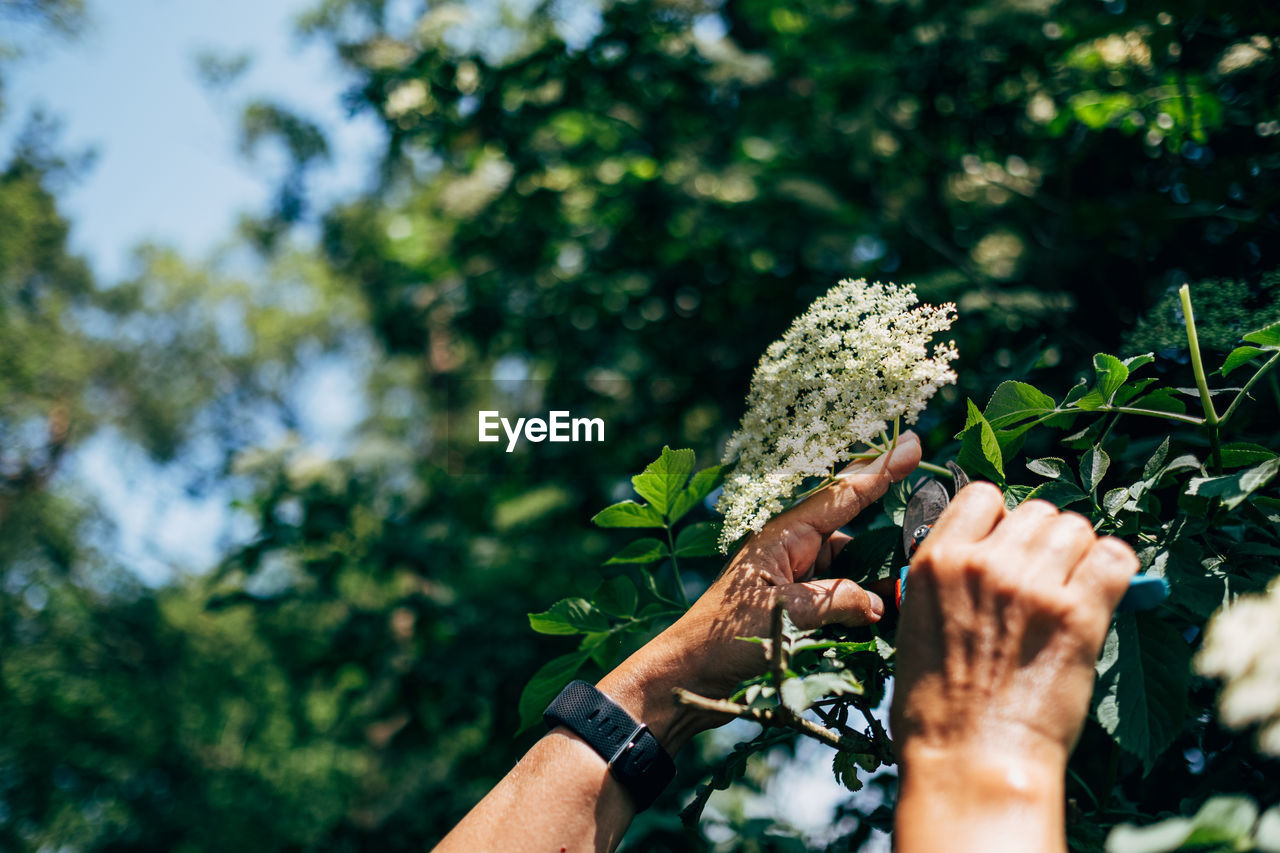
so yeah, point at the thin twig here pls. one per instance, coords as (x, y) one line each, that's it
(778, 716)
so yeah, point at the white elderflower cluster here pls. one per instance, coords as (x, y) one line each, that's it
(848, 367)
(1242, 646)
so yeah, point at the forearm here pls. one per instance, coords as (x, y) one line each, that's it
(955, 803)
(559, 797)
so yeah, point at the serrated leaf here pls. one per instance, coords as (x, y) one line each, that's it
(569, 616)
(1232, 489)
(1060, 493)
(979, 449)
(1015, 401)
(1267, 336)
(662, 481)
(845, 768)
(1132, 389)
(545, 684)
(1135, 362)
(640, 552)
(699, 540)
(1152, 467)
(1239, 357)
(617, 597)
(1093, 467)
(628, 514)
(1141, 695)
(1114, 500)
(1109, 374)
(700, 485)
(1051, 467)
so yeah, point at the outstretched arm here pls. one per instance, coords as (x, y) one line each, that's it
(561, 795)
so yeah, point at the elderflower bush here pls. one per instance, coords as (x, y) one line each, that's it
(856, 361)
(1159, 452)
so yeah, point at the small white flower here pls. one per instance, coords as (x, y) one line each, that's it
(1240, 647)
(848, 367)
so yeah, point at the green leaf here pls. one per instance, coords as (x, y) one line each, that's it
(799, 694)
(1114, 500)
(700, 485)
(1241, 453)
(699, 540)
(1093, 467)
(545, 685)
(1232, 489)
(979, 450)
(1015, 494)
(569, 616)
(1060, 493)
(1161, 400)
(642, 551)
(1267, 336)
(1109, 374)
(1239, 356)
(1014, 401)
(1051, 467)
(1141, 695)
(845, 767)
(661, 483)
(1151, 469)
(628, 514)
(1135, 362)
(617, 597)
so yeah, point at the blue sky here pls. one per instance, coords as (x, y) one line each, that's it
(168, 169)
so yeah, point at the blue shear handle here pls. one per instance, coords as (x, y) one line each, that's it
(1145, 592)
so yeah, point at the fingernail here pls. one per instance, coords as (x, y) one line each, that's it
(875, 604)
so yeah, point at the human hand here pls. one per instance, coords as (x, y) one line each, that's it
(999, 635)
(701, 652)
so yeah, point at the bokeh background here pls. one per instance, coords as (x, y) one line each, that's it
(256, 594)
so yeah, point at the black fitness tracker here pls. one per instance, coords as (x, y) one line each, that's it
(634, 756)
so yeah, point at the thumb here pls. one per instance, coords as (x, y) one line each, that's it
(857, 486)
(816, 603)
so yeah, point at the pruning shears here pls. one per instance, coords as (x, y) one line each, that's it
(927, 504)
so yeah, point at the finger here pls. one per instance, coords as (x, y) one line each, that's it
(822, 602)
(1024, 527)
(1105, 572)
(857, 486)
(1062, 544)
(971, 515)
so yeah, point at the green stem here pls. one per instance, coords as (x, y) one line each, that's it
(675, 564)
(1270, 363)
(1169, 416)
(936, 469)
(1197, 367)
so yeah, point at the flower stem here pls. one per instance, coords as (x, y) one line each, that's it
(1197, 366)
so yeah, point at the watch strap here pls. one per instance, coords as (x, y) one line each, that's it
(634, 756)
